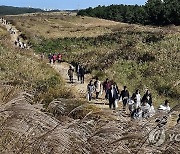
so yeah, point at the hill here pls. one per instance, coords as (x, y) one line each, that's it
(24, 72)
(10, 10)
(132, 55)
(32, 123)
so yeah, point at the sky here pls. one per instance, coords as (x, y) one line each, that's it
(66, 4)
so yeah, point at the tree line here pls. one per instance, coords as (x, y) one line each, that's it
(10, 10)
(154, 12)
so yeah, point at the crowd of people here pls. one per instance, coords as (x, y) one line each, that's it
(12, 31)
(53, 58)
(139, 107)
(20, 44)
(3, 21)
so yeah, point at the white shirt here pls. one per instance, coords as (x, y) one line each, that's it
(138, 97)
(164, 108)
(112, 92)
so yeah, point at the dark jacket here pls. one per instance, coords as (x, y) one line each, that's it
(145, 99)
(106, 85)
(70, 72)
(115, 94)
(81, 71)
(124, 93)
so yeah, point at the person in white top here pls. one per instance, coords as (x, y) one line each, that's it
(97, 85)
(165, 107)
(137, 99)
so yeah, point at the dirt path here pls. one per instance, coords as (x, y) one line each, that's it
(13, 36)
(77, 87)
(81, 89)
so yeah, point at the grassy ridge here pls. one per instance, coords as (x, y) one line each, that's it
(136, 59)
(23, 70)
(60, 25)
(132, 55)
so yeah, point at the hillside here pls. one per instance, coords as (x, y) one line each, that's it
(10, 10)
(132, 55)
(24, 72)
(42, 113)
(61, 24)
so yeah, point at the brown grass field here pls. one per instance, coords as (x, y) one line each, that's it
(110, 49)
(39, 114)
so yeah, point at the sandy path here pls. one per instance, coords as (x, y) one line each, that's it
(13, 36)
(80, 89)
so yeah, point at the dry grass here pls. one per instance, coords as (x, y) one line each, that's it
(81, 128)
(112, 47)
(28, 130)
(22, 70)
(62, 25)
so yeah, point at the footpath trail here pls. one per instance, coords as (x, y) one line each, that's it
(79, 89)
(15, 35)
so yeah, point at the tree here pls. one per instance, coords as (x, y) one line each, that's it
(172, 11)
(155, 12)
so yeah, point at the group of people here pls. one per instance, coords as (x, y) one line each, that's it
(4, 21)
(139, 107)
(12, 31)
(80, 71)
(20, 44)
(92, 87)
(55, 57)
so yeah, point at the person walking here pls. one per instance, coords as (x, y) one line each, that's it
(125, 97)
(117, 91)
(59, 58)
(112, 96)
(77, 71)
(70, 74)
(42, 56)
(137, 99)
(147, 98)
(81, 73)
(50, 57)
(165, 107)
(106, 87)
(90, 90)
(54, 58)
(97, 85)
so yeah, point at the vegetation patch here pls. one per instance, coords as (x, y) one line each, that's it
(23, 70)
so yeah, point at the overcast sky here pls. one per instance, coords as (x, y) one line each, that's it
(67, 4)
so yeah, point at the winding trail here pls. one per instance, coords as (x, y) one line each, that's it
(79, 89)
(8, 27)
